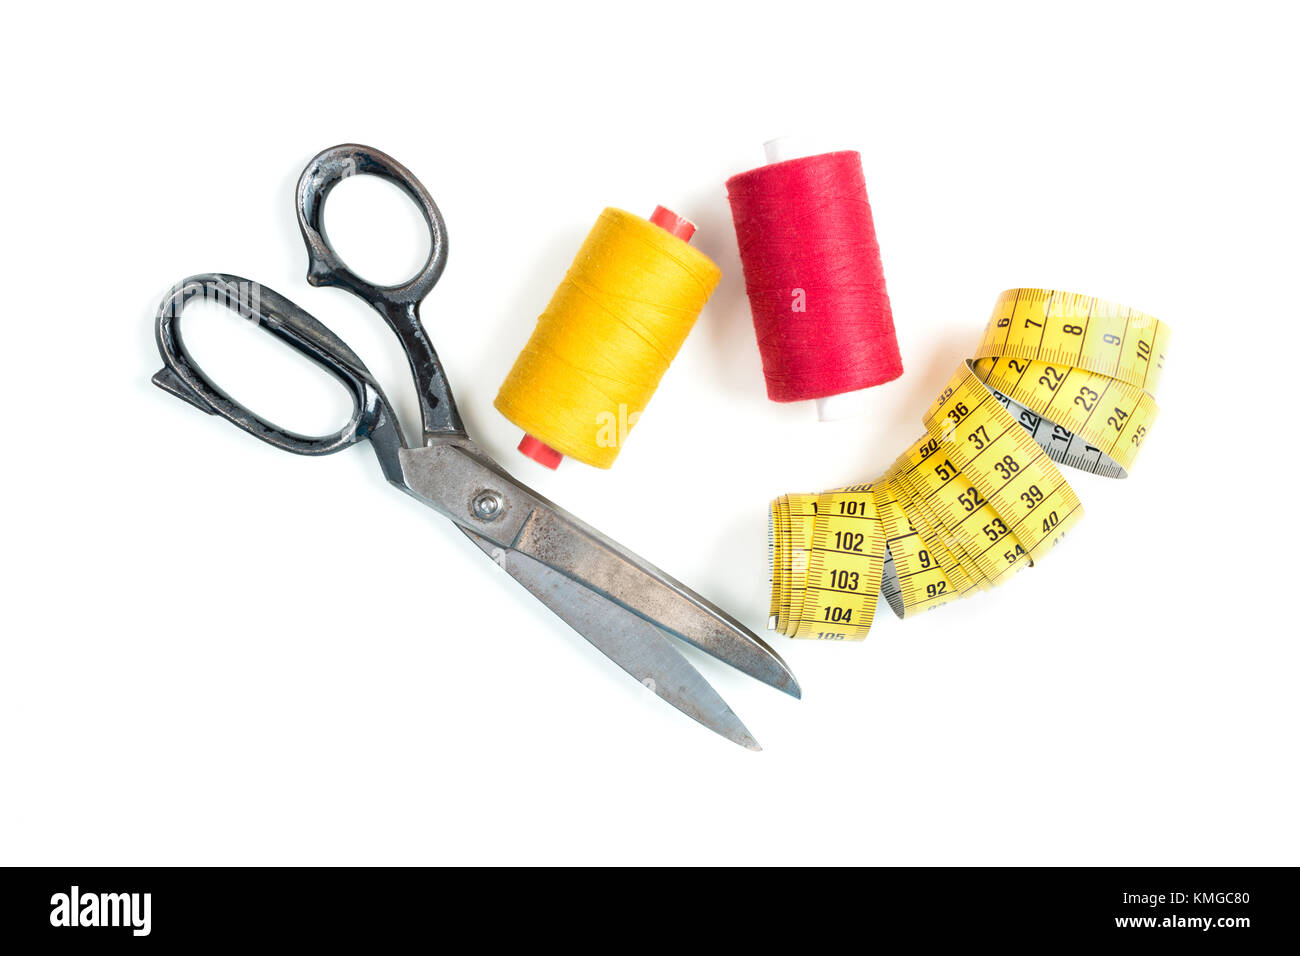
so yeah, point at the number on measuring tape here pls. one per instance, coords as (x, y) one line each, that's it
(978, 497)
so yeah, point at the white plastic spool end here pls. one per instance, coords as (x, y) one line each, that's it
(787, 147)
(834, 408)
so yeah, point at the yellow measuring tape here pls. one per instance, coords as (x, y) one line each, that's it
(1057, 377)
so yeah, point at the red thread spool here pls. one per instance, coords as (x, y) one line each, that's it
(814, 278)
(666, 219)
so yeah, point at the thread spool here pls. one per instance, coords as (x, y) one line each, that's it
(612, 328)
(814, 278)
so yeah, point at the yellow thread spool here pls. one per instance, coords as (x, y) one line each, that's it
(611, 330)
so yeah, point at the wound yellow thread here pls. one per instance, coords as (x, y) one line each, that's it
(611, 330)
(1057, 377)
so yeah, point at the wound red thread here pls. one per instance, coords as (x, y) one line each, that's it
(807, 240)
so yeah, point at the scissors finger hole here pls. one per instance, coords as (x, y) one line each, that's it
(377, 230)
(261, 373)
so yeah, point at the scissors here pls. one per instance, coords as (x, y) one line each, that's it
(620, 603)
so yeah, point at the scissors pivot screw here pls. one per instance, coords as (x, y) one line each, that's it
(487, 505)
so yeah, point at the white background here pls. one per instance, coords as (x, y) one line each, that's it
(214, 652)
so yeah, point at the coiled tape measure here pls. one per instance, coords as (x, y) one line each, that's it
(1057, 377)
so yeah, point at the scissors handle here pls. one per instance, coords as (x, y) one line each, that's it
(398, 304)
(372, 415)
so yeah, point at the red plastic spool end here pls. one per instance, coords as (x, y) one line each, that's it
(540, 452)
(668, 220)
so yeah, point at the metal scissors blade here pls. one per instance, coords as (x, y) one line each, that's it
(631, 642)
(457, 479)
